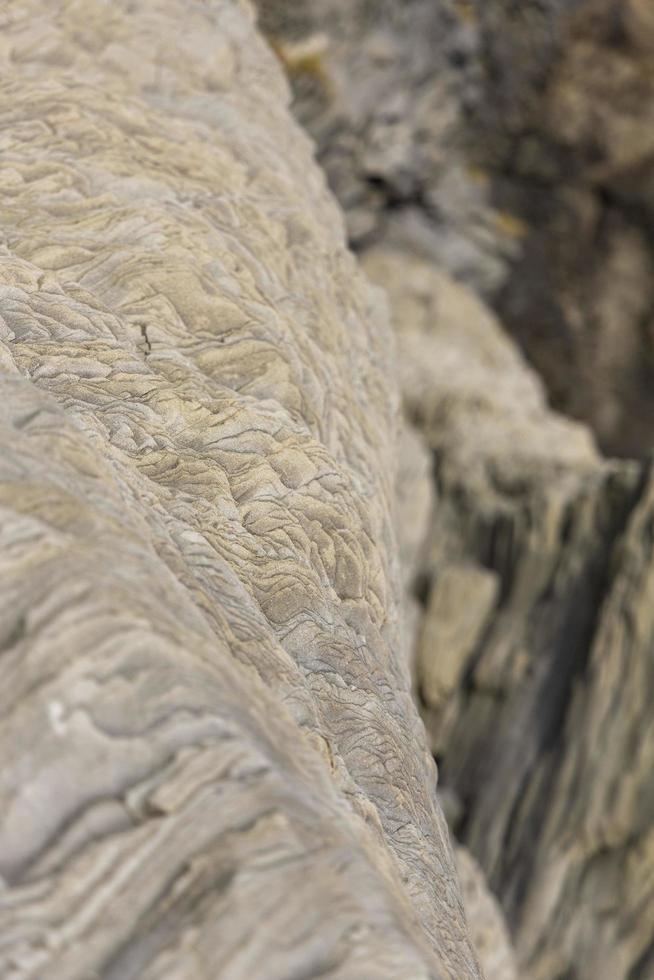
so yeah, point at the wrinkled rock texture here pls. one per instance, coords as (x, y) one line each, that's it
(210, 762)
(498, 154)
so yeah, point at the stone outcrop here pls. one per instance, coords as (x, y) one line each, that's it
(533, 656)
(210, 762)
(507, 146)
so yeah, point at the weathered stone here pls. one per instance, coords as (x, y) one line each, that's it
(210, 764)
(510, 143)
(528, 176)
(382, 95)
(546, 742)
(565, 131)
(460, 604)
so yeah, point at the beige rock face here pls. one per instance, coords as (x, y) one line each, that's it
(459, 596)
(210, 764)
(544, 715)
(639, 23)
(460, 605)
(511, 145)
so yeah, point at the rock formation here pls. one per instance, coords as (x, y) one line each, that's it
(533, 654)
(380, 87)
(210, 762)
(223, 578)
(494, 152)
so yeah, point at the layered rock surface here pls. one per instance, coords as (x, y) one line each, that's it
(508, 145)
(210, 762)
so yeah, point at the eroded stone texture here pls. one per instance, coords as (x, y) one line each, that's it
(210, 761)
(539, 701)
(510, 144)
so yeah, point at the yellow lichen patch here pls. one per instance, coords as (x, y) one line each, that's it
(465, 9)
(510, 224)
(478, 176)
(306, 57)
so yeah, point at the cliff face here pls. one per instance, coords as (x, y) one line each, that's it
(494, 154)
(211, 764)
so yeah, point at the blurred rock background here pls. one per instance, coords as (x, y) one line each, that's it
(511, 143)
(495, 162)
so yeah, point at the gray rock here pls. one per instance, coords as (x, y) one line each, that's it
(210, 763)
(511, 144)
(380, 87)
(546, 739)
(564, 128)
